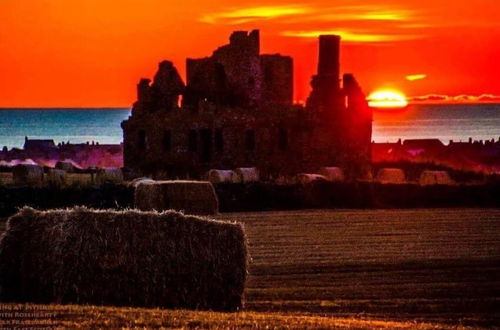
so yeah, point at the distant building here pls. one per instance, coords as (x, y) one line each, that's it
(236, 110)
(39, 145)
(427, 144)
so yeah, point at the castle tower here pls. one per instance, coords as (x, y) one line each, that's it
(329, 60)
(326, 97)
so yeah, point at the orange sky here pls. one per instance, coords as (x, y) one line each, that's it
(92, 52)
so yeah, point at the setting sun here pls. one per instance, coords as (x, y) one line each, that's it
(387, 99)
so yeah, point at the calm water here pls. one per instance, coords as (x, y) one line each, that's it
(446, 122)
(74, 125)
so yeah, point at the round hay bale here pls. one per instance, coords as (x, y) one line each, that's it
(65, 166)
(27, 174)
(391, 176)
(109, 175)
(55, 177)
(305, 178)
(27, 161)
(129, 258)
(333, 174)
(246, 175)
(191, 197)
(221, 176)
(136, 182)
(435, 178)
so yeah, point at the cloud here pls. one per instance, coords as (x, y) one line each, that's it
(463, 98)
(301, 13)
(378, 21)
(481, 98)
(429, 98)
(350, 36)
(414, 77)
(489, 98)
(249, 14)
(365, 13)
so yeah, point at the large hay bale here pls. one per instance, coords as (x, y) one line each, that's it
(109, 175)
(246, 175)
(4, 163)
(65, 166)
(391, 176)
(434, 178)
(27, 174)
(305, 178)
(129, 258)
(191, 197)
(55, 177)
(136, 182)
(333, 174)
(27, 161)
(221, 176)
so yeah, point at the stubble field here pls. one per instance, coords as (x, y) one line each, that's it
(437, 265)
(421, 268)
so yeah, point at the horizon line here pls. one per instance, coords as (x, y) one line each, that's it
(412, 100)
(64, 108)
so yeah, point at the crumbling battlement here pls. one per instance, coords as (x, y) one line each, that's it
(163, 94)
(236, 75)
(237, 111)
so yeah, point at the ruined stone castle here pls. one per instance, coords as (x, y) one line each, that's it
(236, 110)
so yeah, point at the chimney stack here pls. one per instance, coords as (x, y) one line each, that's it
(326, 96)
(329, 57)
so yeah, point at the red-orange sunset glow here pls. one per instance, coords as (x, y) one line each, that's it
(84, 53)
(387, 99)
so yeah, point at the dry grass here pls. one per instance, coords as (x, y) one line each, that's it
(123, 258)
(56, 316)
(438, 265)
(27, 174)
(112, 175)
(191, 197)
(79, 179)
(358, 269)
(6, 178)
(391, 175)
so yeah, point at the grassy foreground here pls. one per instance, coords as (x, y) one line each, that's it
(425, 268)
(52, 316)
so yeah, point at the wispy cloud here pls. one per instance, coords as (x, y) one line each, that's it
(413, 77)
(489, 98)
(364, 13)
(356, 24)
(249, 14)
(302, 13)
(438, 98)
(351, 36)
(429, 98)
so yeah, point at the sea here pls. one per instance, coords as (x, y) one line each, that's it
(444, 122)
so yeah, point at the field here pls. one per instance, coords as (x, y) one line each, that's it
(422, 268)
(437, 265)
(81, 179)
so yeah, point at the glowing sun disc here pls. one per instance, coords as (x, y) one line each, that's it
(387, 99)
